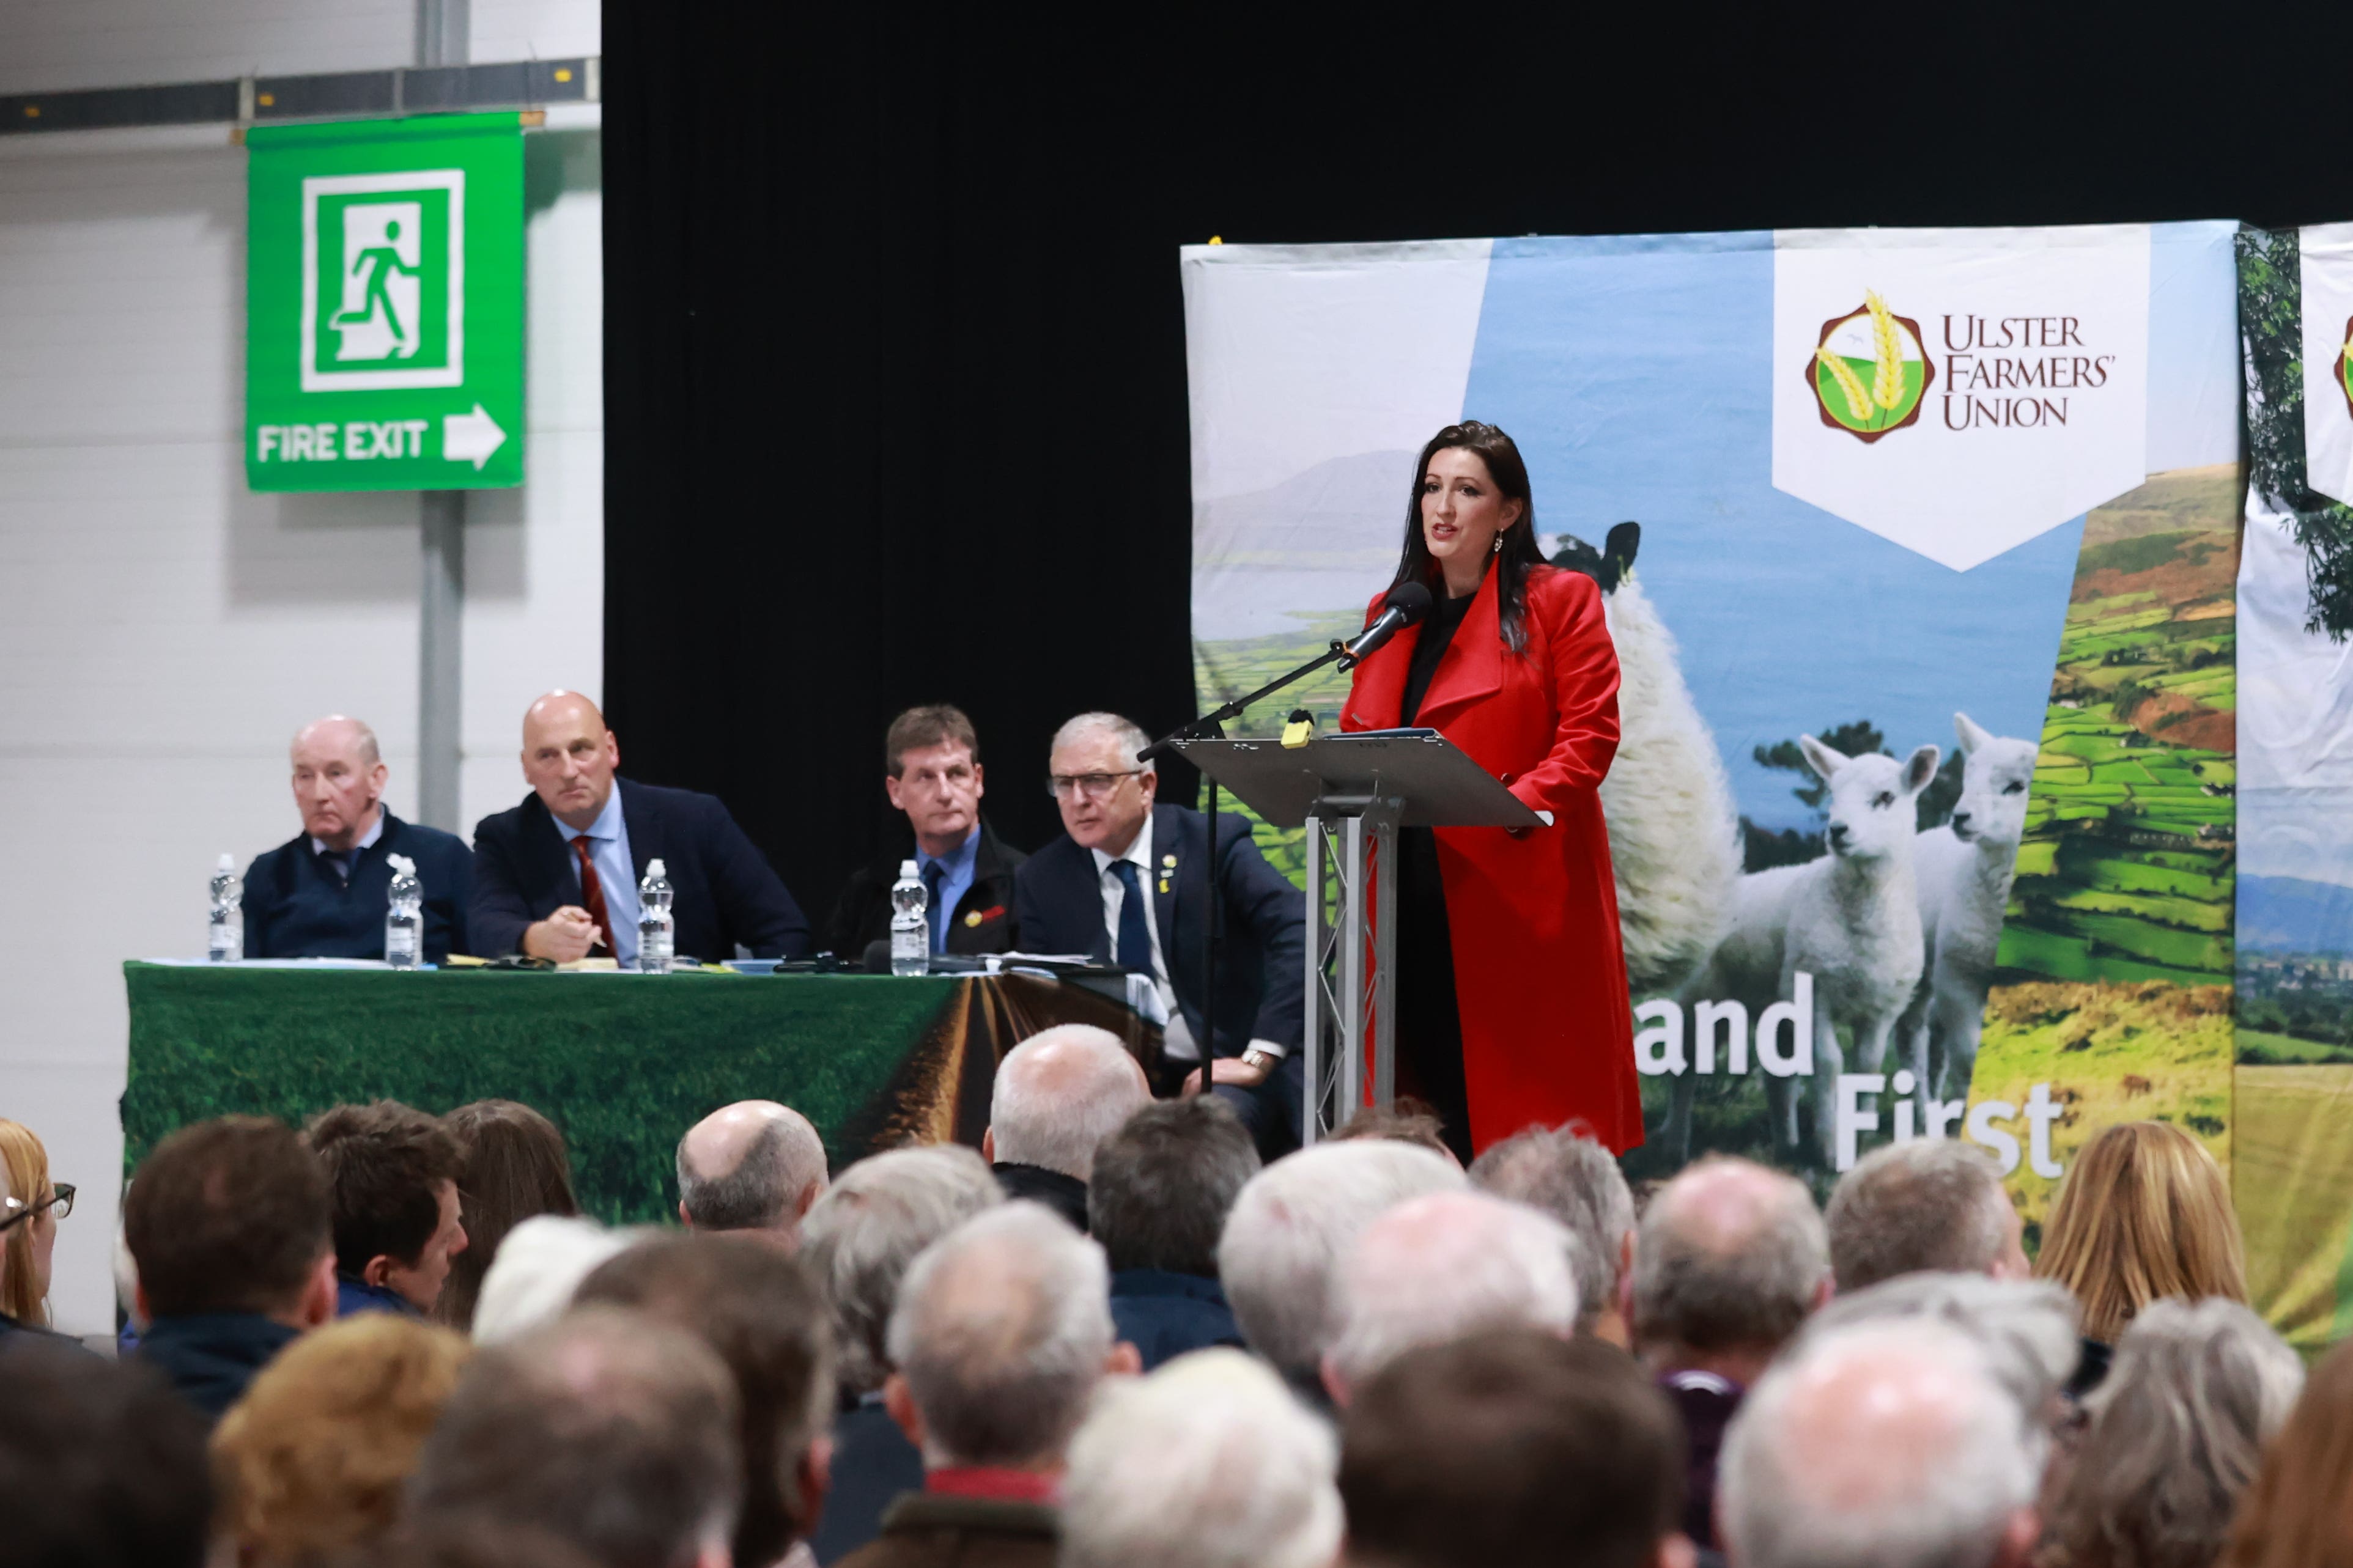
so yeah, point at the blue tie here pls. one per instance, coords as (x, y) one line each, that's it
(934, 873)
(1134, 936)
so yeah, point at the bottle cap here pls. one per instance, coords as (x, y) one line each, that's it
(907, 868)
(654, 869)
(227, 863)
(402, 864)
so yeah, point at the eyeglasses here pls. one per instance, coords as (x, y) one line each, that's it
(17, 1210)
(1094, 786)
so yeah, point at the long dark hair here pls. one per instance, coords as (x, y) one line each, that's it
(515, 1168)
(1519, 554)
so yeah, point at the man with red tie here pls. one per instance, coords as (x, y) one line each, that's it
(557, 876)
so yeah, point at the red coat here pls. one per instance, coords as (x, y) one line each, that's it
(1539, 974)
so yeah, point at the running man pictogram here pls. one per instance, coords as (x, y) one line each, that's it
(384, 262)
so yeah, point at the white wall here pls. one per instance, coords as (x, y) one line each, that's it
(163, 631)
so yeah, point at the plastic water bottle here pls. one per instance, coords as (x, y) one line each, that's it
(656, 929)
(404, 922)
(910, 933)
(227, 943)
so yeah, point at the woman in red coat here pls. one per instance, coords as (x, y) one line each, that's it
(1510, 985)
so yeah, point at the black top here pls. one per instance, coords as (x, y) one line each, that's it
(1437, 636)
(1066, 1196)
(209, 1357)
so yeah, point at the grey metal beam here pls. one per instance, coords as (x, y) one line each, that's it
(527, 84)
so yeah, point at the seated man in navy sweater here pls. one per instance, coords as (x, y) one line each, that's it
(323, 893)
(557, 876)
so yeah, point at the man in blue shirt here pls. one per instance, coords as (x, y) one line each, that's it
(323, 893)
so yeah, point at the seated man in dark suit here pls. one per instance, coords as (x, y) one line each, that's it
(932, 760)
(557, 876)
(323, 893)
(1126, 883)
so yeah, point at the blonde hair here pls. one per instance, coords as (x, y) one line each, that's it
(27, 1166)
(2143, 1214)
(313, 1457)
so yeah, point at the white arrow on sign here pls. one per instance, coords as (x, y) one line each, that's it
(471, 436)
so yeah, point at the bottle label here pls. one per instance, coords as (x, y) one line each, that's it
(400, 944)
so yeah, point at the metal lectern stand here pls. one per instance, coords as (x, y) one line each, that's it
(1352, 793)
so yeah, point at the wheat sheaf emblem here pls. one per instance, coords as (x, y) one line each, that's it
(1870, 341)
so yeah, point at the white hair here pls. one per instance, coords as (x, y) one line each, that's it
(1241, 1475)
(1060, 1093)
(2029, 1330)
(1885, 1445)
(1444, 1267)
(539, 1265)
(1002, 1331)
(1576, 1180)
(1291, 1225)
(1125, 731)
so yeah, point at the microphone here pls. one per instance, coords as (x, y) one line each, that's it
(1406, 603)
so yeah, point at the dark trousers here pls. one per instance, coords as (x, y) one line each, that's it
(1271, 1110)
(1429, 1027)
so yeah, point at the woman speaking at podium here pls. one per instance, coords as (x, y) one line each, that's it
(1510, 982)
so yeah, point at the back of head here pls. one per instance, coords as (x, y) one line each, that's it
(1164, 1183)
(1409, 1120)
(23, 1173)
(860, 1236)
(227, 1215)
(1289, 1227)
(1923, 1205)
(756, 1165)
(101, 1466)
(1242, 1476)
(385, 1163)
(312, 1458)
(539, 1266)
(1576, 1181)
(1444, 1267)
(2027, 1329)
(2178, 1429)
(2295, 1514)
(513, 1167)
(2144, 1212)
(1886, 1445)
(612, 1431)
(1060, 1093)
(1731, 1256)
(1002, 1331)
(1502, 1450)
(755, 1306)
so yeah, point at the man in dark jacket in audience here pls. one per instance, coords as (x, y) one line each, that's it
(1059, 1094)
(229, 1222)
(394, 1171)
(1157, 1202)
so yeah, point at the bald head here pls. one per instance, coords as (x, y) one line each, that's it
(339, 776)
(1730, 1256)
(755, 1166)
(1059, 1094)
(569, 756)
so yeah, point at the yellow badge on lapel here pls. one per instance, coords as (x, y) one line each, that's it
(972, 919)
(1168, 870)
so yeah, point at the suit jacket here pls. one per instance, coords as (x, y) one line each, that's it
(725, 890)
(873, 1465)
(1164, 1314)
(1263, 950)
(294, 907)
(982, 921)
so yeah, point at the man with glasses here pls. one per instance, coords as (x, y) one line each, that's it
(930, 759)
(1127, 883)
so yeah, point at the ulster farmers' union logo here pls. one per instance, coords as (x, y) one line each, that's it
(384, 280)
(1869, 373)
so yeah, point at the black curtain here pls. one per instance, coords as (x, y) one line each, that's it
(895, 402)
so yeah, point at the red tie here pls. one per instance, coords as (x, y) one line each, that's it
(592, 896)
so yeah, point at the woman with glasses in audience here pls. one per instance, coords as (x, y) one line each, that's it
(30, 1211)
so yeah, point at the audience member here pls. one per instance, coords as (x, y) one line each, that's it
(856, 1243)
(753, 1166)
(2026, 1329)
(1288, 1231)
(2294, 1516)
(757, 1310)
(610, 1431)
(540, 1265)
(1881, 1446)
(1239, 1475)
(1920, 1206)
(1576, 1180)
(556, 876)
(930, 761)
(1163, 1186)
(231, 1223)
(2177, 1432)
(321, 894)
(1059, 1094)
(101, 1466)
(1001, 1335)
(1409, 1120)
(512, 1167)
(2143, 1213)
(31, 1207)
(1441, 1268)
(1513, 1450)
(313, 1459)
(466, 1544)
(1729, 1258)
(394, 1174)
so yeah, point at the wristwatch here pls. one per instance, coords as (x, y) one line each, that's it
(1262, 1061)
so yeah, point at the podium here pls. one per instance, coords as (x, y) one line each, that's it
(1352, 793)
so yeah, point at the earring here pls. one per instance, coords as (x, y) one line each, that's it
(1499, 544)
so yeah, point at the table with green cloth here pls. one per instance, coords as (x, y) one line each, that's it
(622, 1063)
